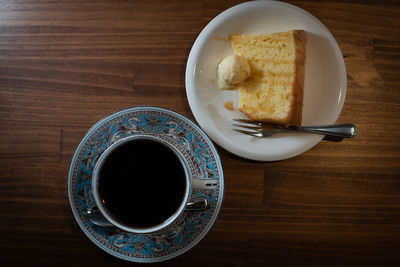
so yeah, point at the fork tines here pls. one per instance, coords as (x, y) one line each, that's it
(252, 133)
(251, 125)
(255, 126)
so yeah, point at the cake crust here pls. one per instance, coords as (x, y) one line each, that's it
(295, 116)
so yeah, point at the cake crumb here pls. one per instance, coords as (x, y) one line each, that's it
(229, 105)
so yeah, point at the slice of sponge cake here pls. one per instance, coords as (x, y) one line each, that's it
(274, 91)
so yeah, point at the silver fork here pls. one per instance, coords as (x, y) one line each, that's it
(261, 129)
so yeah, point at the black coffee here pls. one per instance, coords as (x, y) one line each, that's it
(142, 183)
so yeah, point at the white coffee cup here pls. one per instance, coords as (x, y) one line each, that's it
(102, 171)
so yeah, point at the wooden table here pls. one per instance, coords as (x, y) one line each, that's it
(66, 64)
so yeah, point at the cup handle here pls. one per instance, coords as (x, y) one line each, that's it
(199, 203)
(204, 184)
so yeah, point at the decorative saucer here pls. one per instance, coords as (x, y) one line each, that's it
(198, 150)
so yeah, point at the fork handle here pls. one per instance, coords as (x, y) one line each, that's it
(337, 130)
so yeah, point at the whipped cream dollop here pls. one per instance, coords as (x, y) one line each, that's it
(231, 71)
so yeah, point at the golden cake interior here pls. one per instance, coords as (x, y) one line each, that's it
(274, 90)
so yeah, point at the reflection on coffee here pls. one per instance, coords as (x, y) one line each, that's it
(142, 183)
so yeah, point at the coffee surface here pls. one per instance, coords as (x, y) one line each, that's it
(142, 183)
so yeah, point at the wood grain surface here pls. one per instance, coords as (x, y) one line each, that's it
(66, 64)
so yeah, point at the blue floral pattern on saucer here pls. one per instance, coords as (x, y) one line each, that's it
(199, 153)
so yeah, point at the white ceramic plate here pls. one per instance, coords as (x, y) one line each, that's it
(324, 88)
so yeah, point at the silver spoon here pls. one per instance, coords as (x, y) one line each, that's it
(95, 216)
